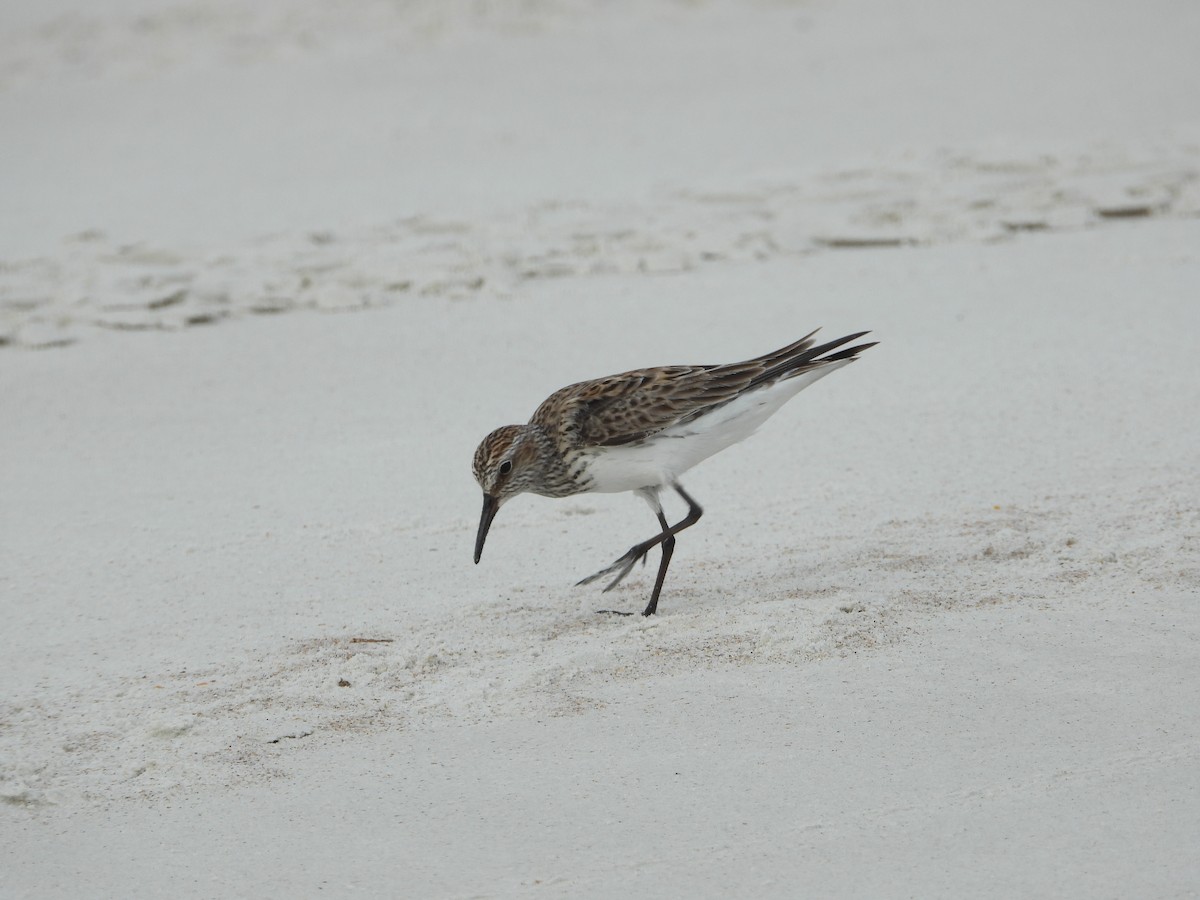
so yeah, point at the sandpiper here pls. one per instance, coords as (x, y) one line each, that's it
(639, 431)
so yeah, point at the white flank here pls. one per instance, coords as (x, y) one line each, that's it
(664, 457)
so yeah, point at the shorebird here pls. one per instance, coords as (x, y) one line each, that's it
(639, 431)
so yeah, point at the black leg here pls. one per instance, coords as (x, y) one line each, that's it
(668, 548)
(624, 565)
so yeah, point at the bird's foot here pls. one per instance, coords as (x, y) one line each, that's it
(612, 612)
(621, 567)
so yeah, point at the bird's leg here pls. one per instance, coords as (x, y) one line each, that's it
(668, 548)
(624, 565)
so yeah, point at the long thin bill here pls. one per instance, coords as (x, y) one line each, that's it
(485, 522)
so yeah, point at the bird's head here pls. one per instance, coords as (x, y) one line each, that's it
(507, 462)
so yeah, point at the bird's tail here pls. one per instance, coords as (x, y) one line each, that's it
(802, 356)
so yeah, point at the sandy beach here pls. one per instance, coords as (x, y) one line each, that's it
(270, 271)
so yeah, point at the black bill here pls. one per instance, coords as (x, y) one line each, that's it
(485, 522)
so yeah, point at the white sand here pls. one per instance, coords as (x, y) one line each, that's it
(937, 632)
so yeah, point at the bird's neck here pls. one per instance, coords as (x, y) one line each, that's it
(555, 480)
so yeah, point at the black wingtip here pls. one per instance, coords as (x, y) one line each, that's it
(850, 352)
(817, 354)
(810, 357)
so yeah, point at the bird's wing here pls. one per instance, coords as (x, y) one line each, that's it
(632, 406)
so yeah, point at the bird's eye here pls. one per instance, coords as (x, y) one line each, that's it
(506, 467)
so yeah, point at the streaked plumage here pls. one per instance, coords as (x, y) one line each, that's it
(640, 430)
